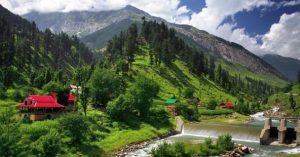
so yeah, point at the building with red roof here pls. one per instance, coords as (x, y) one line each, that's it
(40, 107)
(227, 105)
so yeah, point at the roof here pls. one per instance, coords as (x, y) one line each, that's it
(42, 101)
(71, 97)
(228, 104)
(42, 105)
(171, 101)
(41, 98)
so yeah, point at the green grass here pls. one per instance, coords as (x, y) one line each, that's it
(119, 135)
(175, 78)
(4, 104)
(282, 100)
(217, 111)
(120, 138)
(236, 69)
(233, 118)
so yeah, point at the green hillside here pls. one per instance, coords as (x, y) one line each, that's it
(237, 69)
(175, 78)
(282, 100)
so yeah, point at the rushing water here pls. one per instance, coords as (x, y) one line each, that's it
(247, 134)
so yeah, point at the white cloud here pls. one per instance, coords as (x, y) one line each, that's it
(284, 36)
(290, 3)
(210, 17)
(167, 9)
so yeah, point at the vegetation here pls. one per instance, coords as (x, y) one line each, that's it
(122, 95)
(207, 148)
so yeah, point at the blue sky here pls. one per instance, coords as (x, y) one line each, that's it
(261, 26)
(256, 21)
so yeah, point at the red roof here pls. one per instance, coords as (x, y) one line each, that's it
(228, 104)
(41, 101)
(41, 98)
(71, 97)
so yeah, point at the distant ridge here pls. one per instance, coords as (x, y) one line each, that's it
(96, 28)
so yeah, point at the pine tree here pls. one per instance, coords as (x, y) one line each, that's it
(292, 101)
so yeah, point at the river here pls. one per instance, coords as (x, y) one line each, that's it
(247, 134)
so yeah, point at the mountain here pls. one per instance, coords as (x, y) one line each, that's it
(29, 56)
(96, 28)
(289, 67)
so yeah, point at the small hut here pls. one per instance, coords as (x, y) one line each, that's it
(171, 105)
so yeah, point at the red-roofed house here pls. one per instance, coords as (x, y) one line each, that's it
(227, 105)
(38, 107)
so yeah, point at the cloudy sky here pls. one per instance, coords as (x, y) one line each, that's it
(262, 26)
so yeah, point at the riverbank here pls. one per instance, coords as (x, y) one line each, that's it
(140, 145)
(234, 118)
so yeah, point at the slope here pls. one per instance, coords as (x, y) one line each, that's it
(96, 28)
(282, 100)
(175, 78)
(289, 67)
(29, 56)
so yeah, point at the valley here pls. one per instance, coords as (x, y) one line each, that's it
(131, 77)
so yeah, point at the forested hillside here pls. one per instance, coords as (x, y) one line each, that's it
(97, 28)
(30, 57)
(165, 48)
(122, 99)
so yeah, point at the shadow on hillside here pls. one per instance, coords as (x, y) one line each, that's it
(180, 80)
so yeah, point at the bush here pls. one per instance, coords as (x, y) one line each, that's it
(186, 112)
(188, 92)
(170, 150)
(136, 101)
(208, 148)
(225, 143)
(52, 87)
(75, 127)
(119, 108)
(212, 104)
(242, 108)
(48, 145)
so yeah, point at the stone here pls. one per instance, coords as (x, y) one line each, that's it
(245, 150)
(238, 151)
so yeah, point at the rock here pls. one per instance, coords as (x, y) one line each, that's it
(238, 151)
(245, 150)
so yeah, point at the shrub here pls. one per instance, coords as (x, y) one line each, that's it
(212, 104)
(170, 150)
(188, 92)
(75, 127)
(225, 143)
(119, 108)
(208, 148)
(186, 112)
(48, 145)
(52, 87)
